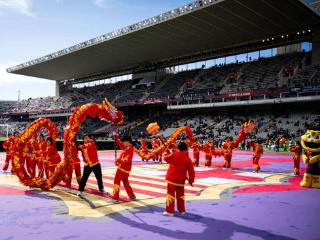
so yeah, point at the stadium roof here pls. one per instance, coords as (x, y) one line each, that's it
(199, 28)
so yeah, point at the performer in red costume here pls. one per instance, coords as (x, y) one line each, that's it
(91, 164)
(144, 147)
(156, 143)
(13, 142)
(40, 148)
(180, 169)
(257, 153)
(174, 146)
(229, 144)
(7, 145)
(124, 164)
(296, 158)
(76, 168)
(209, 150)
(196, 147)
(28, 156)
(52, 157)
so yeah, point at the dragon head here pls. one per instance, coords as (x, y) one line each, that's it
(310, 141)
(111, 113)
(249, 126)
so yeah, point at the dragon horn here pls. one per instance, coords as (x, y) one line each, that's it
(108, 103)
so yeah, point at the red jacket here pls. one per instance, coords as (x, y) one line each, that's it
(7, 145)
(144, 146)
(257, 149)
(228, 146)
(27, 150)
(196, 147)
(174, 146)
(53, 156)
(297, 151)
(155, 143)
(40, 147)
(208, 148)
(90, 154)
(180, 168)
(124, 162)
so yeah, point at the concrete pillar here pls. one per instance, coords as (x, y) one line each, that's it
(57, 89)
(316, 45)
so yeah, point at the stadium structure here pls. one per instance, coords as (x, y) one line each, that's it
(210, 65)
(214, 57)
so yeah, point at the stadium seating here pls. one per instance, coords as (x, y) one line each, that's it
(173, 84)
(291, 71)
(48, 103)
(6, 106)
(288, 70)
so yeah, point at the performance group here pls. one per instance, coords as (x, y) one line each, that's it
(40, 158)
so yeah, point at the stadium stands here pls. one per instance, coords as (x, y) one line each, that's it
(173, 84)
(6, 106)
(39, 104)
(289, 71)
(292, 72)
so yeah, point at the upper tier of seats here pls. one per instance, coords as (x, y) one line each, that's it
(290, 70)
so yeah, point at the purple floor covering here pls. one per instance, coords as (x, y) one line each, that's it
(280, 215)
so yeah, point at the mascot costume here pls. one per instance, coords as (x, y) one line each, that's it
(310, 143)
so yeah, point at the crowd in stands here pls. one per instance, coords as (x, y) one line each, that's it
(6, 106)
(47, 103)
(290, 72)
(216, 126)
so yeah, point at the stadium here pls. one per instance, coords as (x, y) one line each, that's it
(208, 72)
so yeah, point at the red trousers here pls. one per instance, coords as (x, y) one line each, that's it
(75, 167)
(296, 165)
(196, 156)
(7, 162)
(175, 192)
(208, 160)
(255, 162)
(145, 152)
(31, 166)
(49, 169)
(52, 168)
(227, 161)
(124, 178)
(40, 166)
(157, 158)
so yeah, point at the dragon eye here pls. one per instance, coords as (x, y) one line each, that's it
(308, 135)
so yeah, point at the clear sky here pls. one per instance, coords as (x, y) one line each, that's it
(33, 28)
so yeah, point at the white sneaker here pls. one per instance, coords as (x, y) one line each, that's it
(79, 193)
(182, 213)
(165, 213)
